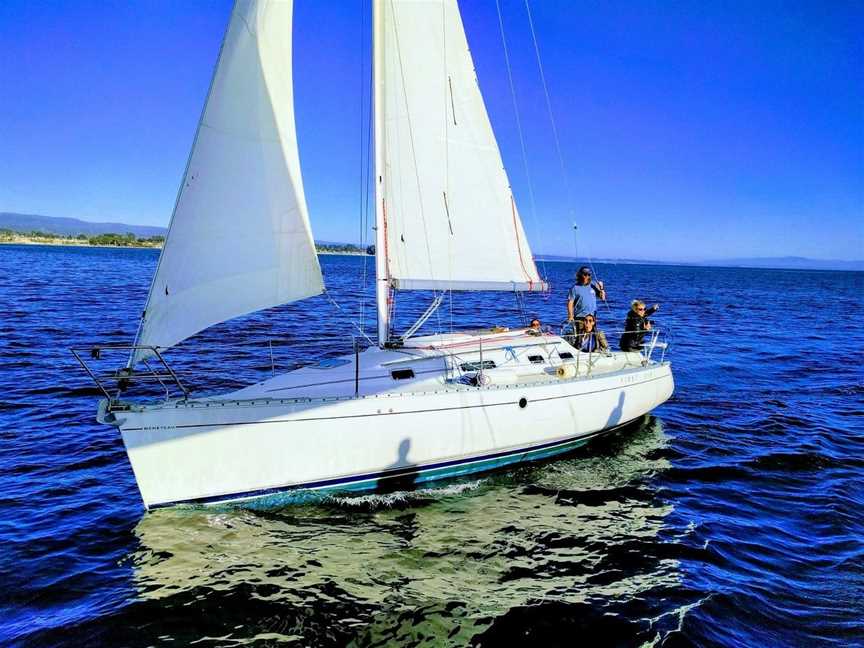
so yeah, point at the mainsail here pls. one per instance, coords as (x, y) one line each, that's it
(239, 238)
(446, 214)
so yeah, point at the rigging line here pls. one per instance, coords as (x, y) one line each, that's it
(605, 302)
(520, 306)
(450, 299)
(590, 263)
(518, 242)
(334, 303)
(521, 136)
(564, 175)
(362, 219)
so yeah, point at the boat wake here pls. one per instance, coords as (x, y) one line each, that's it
(395, 499)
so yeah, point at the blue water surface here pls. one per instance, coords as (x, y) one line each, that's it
(733, 516)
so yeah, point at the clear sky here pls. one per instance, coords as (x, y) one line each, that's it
(690, 130)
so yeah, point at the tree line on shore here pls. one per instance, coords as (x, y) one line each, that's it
(120, 240)
(130, 240)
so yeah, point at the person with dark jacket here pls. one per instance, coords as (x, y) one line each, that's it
(637, 325)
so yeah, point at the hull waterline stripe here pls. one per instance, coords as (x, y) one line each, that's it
(392, 473)
(427, 411)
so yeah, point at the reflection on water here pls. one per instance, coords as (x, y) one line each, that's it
(440, 562)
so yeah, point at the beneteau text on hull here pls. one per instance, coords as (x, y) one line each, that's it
(405, 411)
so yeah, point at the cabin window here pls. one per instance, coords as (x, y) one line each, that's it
(536, 359)
(477, 366)
(402, 374)
(565, 355)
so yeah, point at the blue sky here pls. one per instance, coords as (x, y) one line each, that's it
(690, 130)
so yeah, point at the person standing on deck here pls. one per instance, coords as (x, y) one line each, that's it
(582, 299)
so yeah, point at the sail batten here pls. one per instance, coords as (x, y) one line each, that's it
(239, 239)
(451, 221)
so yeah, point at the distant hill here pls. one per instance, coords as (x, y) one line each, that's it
(73, 226)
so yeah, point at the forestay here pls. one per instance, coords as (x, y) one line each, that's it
(239, 238)
(449, 216)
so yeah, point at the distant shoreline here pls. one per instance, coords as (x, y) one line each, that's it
(64, 242)
(17, 239)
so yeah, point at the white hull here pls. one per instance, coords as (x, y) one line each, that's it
(238, 446)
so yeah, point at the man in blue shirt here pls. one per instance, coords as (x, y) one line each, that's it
(582, 298)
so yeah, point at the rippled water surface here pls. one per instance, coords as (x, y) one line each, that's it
(733, 516)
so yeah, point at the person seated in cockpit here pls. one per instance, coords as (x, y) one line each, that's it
(534, 328)
(591, 338)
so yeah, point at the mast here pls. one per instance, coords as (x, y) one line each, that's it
(382, 275)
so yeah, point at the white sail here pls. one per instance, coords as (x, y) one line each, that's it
(446, 209)
(239, 238)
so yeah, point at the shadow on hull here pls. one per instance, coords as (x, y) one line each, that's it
(404, 478)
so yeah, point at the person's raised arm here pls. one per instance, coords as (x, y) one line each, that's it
(652, 310)
(599, 289)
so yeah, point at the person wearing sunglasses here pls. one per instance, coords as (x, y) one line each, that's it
(582, 299)
(637, 325)
(534, 327)
(591, 339)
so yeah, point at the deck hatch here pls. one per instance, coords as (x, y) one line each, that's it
(477, 366)
(536, 359)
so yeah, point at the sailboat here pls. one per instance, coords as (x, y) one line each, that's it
(410, 408)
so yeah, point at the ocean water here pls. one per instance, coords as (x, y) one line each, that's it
(732, 516)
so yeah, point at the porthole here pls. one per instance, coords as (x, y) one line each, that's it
(402, 374)
(523, 402)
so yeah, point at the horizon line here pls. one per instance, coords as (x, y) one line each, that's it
(541, 256)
